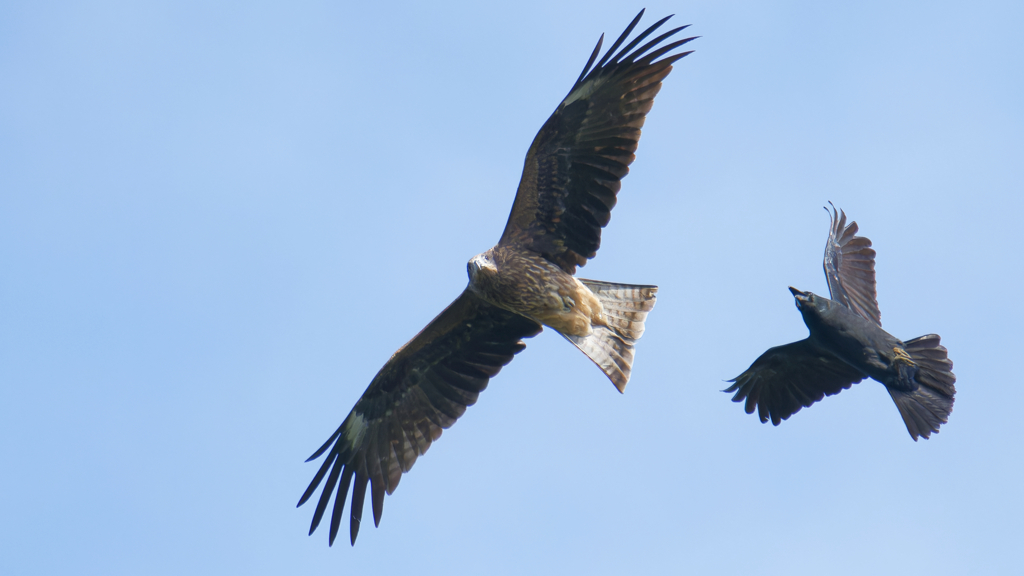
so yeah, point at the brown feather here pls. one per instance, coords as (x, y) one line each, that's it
(425, 386)
(574, 166)
(850, 268)
(570, 181)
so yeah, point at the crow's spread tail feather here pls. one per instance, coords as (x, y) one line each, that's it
(927, 407)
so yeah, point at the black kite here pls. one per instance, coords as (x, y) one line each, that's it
(566, 194)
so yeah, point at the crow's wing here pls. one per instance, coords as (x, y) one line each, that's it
(787, 378)
(850, 268)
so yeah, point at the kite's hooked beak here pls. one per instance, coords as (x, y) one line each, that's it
(801, 296)
(480, 263)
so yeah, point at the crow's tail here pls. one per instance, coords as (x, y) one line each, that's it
(927, 407)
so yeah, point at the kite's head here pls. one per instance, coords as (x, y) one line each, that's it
(481, 264)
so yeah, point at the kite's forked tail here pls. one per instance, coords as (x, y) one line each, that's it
(625, 308)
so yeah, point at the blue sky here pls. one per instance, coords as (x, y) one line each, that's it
(218, 222)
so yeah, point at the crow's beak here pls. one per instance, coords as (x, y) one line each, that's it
(800, 296)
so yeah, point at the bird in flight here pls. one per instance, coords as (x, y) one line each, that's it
(846, 345)
(568, 188)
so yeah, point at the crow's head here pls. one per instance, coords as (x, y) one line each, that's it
(802, 298)
(810, 304)
(808, 301)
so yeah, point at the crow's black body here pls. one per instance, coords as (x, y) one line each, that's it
(847, 344)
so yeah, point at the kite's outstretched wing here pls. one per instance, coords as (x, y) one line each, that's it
(787, 378)
(422, 390)
(574, 166)
(850, 268)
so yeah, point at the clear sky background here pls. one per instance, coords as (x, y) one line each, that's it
(217, 222)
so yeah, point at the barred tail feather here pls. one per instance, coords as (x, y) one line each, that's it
(928, 407)
(625, 305)
(611, 347)
(612, 353)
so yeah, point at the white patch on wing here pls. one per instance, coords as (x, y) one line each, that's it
(584, 91)
(355, 429)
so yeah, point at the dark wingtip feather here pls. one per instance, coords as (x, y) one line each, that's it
(621, 38)
(377, 499)
(650, 58)
(639, 52)
(327, 444)
(317, 478)
(358, 495)
(640, 37)
(590, 62)
(325, 496)
(339, 505)
(680, 55)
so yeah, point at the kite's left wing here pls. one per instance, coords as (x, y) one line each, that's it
(422, 390)
(573, 167)
(850, 268)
